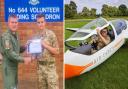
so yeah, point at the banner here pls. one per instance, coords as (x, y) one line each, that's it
(27, 10)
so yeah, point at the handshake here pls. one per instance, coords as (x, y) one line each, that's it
(31, 58)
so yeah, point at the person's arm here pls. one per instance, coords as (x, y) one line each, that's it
(53, 50)
(10, 53)
(103, 39)
(8, 50)
(51, 46)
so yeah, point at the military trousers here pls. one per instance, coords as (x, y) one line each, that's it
(47, 76)
(10, 78)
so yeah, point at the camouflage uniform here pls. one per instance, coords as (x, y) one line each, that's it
(11, 58)
(47, 76)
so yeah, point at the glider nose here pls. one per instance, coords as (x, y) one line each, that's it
(72, 70)
(75, 70)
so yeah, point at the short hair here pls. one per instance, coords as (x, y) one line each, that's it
(12, 16)
(40, 16)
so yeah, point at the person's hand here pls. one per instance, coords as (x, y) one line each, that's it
(27, 60)
(45, 43)
(98, 30)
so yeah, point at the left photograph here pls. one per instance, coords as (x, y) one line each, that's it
(31, 44)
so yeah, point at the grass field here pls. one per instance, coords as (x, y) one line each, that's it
(112, 74)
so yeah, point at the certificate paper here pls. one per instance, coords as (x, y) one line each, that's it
(35, 46)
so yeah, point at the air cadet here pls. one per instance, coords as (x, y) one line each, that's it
(11, 54)
(47, 75)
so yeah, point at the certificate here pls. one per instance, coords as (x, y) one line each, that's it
(35, 46)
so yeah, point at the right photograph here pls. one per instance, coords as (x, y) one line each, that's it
(96, 44)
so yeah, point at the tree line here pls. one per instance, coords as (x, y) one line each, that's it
(109, 11)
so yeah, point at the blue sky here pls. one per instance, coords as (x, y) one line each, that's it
(96, 3)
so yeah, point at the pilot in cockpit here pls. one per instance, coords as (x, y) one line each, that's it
(103, 38)
(100, 40)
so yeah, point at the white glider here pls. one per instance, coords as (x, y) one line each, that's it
(79, 59)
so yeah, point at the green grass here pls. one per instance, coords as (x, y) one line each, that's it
(112, 74)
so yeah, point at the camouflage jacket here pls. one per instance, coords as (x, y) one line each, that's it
(49, 36)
